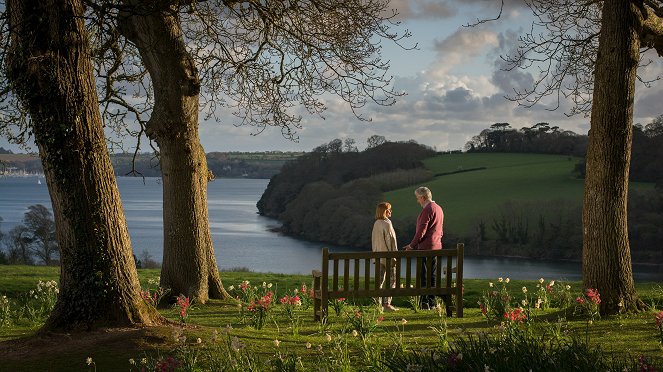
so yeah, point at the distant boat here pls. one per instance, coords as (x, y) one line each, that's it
(38, 181)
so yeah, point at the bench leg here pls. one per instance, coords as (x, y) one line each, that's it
(447, 304)
(317, 309)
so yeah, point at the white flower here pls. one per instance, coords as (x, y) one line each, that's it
(355, 333)
(143, 361)
(132, 361)
(236, 344)
(264, 284)
(328, 337)
(231, 288)
(295, 291)
(269, 285)
(308, 345)
(277, 343)
(541, 280)
(199, 340)
(403, 321)
(500, 279)
(490, 284)
(507, 280)
(524, 302)
(88, 361)
(568, 287)
(524, 289)
(552, 283)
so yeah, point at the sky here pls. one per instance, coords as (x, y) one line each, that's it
(454, 83)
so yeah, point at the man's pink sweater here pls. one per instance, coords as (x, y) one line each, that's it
(429, 228)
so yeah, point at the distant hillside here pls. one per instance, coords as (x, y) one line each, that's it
(520, 205)
(498, 204)
(222, 164)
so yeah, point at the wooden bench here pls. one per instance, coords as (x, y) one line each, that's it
(348, 283)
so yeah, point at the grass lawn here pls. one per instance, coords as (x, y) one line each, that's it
(331, 344)
(468, 197)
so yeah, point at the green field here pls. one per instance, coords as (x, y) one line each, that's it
(624, 336)
(469, 197)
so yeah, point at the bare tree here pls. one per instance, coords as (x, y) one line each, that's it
(263, 60)
(48, 69)
(41, 226)
(589, 52)
(18, 244)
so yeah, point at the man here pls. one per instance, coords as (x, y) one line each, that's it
(428, 236)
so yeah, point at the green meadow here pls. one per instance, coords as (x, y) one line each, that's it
(470, 196)
(221, 336)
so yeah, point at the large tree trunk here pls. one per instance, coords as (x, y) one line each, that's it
(606, 253)
(50, 70)
(189, 266)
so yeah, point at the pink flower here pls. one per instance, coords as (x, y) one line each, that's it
(594, 295)
(659, 319)
(515, 315)
(580, 300)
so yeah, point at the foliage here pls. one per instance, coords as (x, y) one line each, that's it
(363, 322)
(495, 302)
(216, 339)
(512, 351)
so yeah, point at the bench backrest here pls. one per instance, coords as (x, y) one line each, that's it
(354, 274)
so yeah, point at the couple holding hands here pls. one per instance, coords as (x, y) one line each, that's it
(428, 236)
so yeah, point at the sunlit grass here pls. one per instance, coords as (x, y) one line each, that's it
(625, 335)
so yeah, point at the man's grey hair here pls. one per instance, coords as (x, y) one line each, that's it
(425, 192)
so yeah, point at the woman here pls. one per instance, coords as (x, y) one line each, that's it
(384, 240)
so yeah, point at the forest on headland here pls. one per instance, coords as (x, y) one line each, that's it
(329, 195)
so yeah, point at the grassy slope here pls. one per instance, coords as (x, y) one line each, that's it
(623, 335)
(470, 196)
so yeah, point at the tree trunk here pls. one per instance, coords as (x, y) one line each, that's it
(50, 71)
(606, 253)
(189, 266)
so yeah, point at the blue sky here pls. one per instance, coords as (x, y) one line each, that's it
(453, 82)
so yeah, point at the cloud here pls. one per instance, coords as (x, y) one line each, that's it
(459, 48)
(423, 9)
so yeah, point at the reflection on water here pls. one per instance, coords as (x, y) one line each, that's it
(242, 238)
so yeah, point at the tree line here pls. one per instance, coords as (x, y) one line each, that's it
(552, 229)
(544, 138)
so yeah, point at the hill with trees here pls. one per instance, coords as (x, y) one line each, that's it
(330, 194)
(544, 138)
(497, 202)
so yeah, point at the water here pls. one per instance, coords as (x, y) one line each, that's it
(242, 238)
